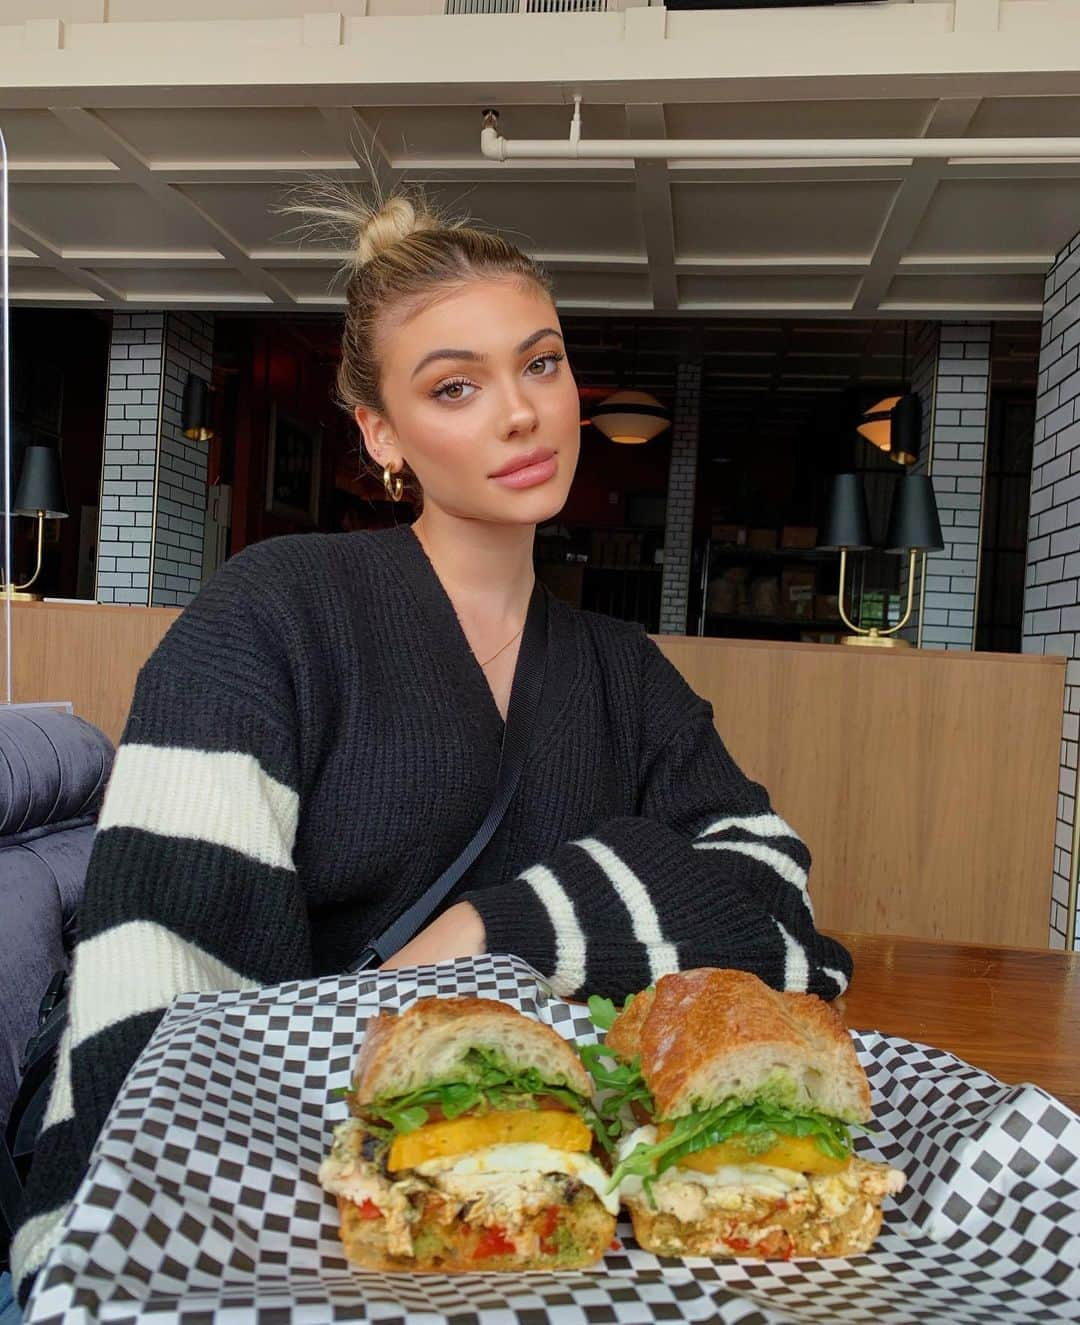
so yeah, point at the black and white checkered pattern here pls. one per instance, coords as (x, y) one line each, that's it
(202, 1205)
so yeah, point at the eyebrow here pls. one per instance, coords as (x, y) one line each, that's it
(472, 357)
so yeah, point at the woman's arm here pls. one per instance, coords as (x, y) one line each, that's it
(190, 884)
(458, 932)
(705, 874)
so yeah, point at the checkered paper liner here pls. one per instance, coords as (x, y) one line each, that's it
(201, 1204)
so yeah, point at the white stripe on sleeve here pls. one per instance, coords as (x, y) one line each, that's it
(779, 861)
(61, 1106)
(759, 825)
(32, 1243)
(796, 965)
(223, 797)
(663, 956)
(837, 977)
(138, 967)
(570, 943)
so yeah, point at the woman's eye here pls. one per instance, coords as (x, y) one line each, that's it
(550, 360)
(451, 390)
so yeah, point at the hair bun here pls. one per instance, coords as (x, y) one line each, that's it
(395, 220)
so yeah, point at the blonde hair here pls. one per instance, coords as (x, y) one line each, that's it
(404, 256)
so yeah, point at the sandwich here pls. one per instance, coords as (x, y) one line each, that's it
(743, 1100)
(468, 1146)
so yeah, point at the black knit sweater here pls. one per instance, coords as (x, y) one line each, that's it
(313, 742)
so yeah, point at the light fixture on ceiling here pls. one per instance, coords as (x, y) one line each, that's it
(630, 417)
(894, 424)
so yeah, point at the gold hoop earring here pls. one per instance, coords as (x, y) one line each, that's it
(393, 484)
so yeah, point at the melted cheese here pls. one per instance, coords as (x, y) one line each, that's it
(685, 1192)
(483, 1173)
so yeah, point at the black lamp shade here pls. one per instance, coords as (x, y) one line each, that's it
(41, 484)
(905, 434)
(195, 411)
(847, 523)
(913, 521)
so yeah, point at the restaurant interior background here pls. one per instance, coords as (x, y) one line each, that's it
(791, 215)
(780, 403)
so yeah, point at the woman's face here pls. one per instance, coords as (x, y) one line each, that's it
(472, 383)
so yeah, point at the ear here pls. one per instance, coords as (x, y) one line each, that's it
(380, 440)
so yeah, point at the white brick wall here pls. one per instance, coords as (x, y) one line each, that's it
(957, 464)
(125, 520)
(153, 480)
(181, 484)
(682, 481)
(1052, 592)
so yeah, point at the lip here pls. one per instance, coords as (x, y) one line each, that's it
(534, 457)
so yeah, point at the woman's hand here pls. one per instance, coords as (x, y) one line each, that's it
(458, 932)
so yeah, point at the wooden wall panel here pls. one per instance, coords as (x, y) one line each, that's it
(90, 655)
(925, 783)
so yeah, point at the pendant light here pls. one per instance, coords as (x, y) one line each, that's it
(630, 417)
(894, 424)
(196, 416)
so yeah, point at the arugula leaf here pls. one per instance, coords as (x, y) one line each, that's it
(602, 1011)
(621, 1085)
(759, 1122)
(486, 1084)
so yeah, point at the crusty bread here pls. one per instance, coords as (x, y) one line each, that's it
(720, 1235)
(624, 1036)
(709, 1034)
(451, 1246)
(428, 1042)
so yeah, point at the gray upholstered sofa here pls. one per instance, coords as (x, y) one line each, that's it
(53, 771)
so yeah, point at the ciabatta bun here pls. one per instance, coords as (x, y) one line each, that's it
(624, 1035)
(428, 1043)
(707, 1035)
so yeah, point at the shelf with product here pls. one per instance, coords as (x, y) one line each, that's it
(768, 583)
(615, 570)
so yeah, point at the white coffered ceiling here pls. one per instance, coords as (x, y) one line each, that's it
(158, 196)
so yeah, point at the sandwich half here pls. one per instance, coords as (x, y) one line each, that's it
(469, 1146)
(744, 1106)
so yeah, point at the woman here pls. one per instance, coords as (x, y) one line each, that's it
(318, 735)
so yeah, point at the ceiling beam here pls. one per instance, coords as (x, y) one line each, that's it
(134, 170)
(653, 192)
(470, 170)
(949, 119)
(52, 257)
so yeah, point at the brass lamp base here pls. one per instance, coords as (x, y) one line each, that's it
(17, 597)
(877, 641)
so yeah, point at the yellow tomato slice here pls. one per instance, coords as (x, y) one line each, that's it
(458, 1136)
(790, 1152)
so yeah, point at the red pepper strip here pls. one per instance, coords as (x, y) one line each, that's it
(494, 1242)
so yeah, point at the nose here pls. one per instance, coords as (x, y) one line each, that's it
(519, 415)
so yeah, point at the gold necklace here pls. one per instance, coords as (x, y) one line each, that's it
(504, 647)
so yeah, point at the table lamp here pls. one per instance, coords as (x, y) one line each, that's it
(40, 494)
(914, 527)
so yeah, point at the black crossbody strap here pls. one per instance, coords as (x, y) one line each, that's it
(520, 721)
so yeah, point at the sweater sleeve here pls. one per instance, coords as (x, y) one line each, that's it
(190, 884)
(707, 873)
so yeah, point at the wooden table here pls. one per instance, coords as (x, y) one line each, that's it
(1014, 1012)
